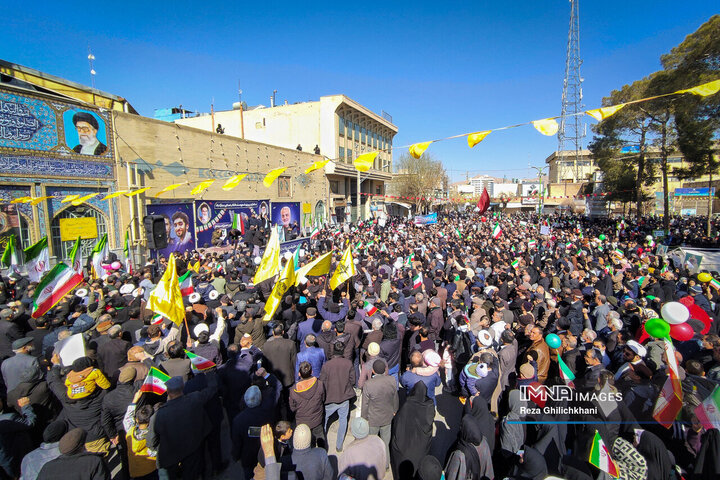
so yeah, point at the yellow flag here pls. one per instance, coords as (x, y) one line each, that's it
(475, 138)
(283, 283)
(418, 149)
(69, 198)
(166, 298)
(316, 165)
(21, 200)
(137, 192)
(365, 161)
(270, 263)
(80, 200)
(601, 114)
(168, 188)
(319, 266)
(201, 186)
(37, 200)
(233, 182)
(345, 269)
(114, 194)
(272, 176)
(546, 126)
(710, 88)
(195, 267)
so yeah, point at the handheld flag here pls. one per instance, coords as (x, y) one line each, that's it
(37, 260)
(497, 231)
(369, 308)
(76, 261)
(155, 382)
(198, 363)
(417, 280)
(670, 401)
(166, 298)
(319, 266)
(238, 223)
(708, 412)
(126, 254)
(12, 258)
(315, 232)
(282, 285)
(484, 202)
(344, 271)
(186, 285)
(57, 283)
(270, 263)
(565, 373)
(100, 253)
(600, 457)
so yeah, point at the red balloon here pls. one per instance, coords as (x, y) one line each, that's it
(483, 219)
(681, 331)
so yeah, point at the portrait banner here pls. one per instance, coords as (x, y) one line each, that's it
(217, 215)
(285, 213)
(178, 226)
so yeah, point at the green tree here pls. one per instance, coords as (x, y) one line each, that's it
(695, 61)
(421, 179)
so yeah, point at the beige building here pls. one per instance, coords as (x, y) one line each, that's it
(336, 126)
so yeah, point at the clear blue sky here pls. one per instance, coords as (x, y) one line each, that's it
(438, 68)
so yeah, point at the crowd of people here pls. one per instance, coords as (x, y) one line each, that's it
(452, 315)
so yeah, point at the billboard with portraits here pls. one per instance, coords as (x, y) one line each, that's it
(178, 226)
(217, 215)
(285, 213)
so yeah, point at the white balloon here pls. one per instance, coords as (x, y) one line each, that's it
(287, 255)
(675, 313)
(356, 261)
(257, 260)
(398, 265)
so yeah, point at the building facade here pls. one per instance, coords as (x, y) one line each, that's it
(336, 127)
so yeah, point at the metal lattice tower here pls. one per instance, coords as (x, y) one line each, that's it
(571, 131)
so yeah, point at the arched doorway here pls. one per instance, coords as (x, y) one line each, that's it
(62, 249)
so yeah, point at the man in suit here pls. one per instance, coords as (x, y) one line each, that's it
(178, 430)
(380, 401)
(280, 355)
(593, 360)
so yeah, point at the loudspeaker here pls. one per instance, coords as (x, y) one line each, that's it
(155, 232)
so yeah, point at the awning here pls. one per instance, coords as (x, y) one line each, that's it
(404, 205)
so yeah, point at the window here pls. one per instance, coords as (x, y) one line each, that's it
(284, 186)
(357, 132)
(349, 155)
(363, 135)
(341, 126)
(349, 131)
(334, 187)
(341, 153)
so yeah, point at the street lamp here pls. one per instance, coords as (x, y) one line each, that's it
(542, 191)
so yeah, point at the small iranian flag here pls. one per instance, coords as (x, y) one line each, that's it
(157, 319)
(186, 286)
(458, 232)
(57, 283)
(532, 244)
(496, 231)
(565, 373)
(715, 284)
(417, 281)
(708, 412)
(409, 260)
(315, 232)
(37, 261)
(199, 363)
(512, 249)
(568, 245)
(515, 263)
(126, 254)
(369, 308)
(155, 382)
(238, 223)
(99, 254)
(619, 252)
(600, 457)
(12, 257)
(383, 248)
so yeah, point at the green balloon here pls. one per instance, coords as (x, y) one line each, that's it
(657, 327)
(602, 236)
(553, 341)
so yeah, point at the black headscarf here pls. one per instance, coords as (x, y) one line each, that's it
(470, 437)
(656, 454)
(429, 469)
(479, 411)
(707, 464)
(533, 465)
(412, 431)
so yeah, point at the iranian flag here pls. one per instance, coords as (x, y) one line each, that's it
(56, 283)
(100, 253)
(409, 260)
(186, 286)
(315, 232)
(670, 401)
(155, 382)
(238, 224)
(619, 252)
(126, 254)
(565, 373)
(12, 257)
(417, 280)
(76, 261)
(458, 232)
(496, 231)
(157, 319)
(600, 457)
(715, 284)
(37, 260)
(515, 263)
(532, 244)
(369, 308)
(199, 363)
(708, 412)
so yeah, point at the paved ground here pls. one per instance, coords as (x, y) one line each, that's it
(447, 425)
